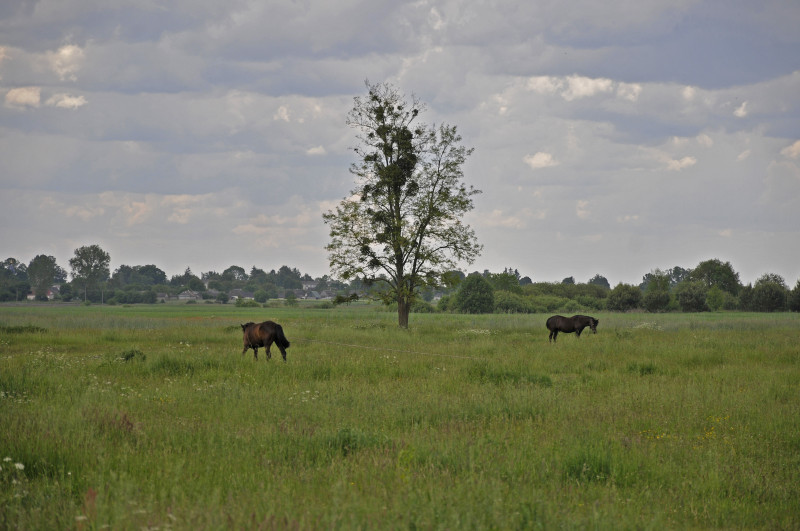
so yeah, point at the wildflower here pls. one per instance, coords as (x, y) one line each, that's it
(19, 466)
(6, 459)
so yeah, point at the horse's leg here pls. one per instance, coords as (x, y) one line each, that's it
(555, 335)
(269, 354)
(255, 353)
(244, 349)
(550, 337)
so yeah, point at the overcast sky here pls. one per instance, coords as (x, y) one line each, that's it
(610, 137)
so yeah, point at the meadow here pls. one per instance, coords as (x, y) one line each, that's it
(148, 416)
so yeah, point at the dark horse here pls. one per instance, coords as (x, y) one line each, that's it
(263, 335)
(576, 324)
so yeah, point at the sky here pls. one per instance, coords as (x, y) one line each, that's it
(610, 138)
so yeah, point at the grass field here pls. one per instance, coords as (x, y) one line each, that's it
(149, 417)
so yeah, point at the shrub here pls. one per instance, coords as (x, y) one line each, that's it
(508, 302)
(691, 295)
(769, 297)
(794, 298)
(624, 297)
(475, 296)
(656, 300)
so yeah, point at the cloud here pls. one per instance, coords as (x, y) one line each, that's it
(705, 140)
(741, 110)
(23, 97)
(679, 164)
(540, 160)
(581, 209)
(792, 151)
(575, 87)
(629, 91)
(499, 218)
(316, 151)
(66, 62)
(65, 101)
(281, 114)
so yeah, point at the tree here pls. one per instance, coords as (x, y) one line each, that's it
(656, 295)
(234, 273)
(624, 297)
(42, 272)
(691, 295)
(569, 281)
(474, 296)
(794, 298)
(599, 280)
(402, 226)
(715, 273)
(90, 266)
(770, 293)
(715, 298)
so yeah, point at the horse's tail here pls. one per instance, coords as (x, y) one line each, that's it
(280, 339)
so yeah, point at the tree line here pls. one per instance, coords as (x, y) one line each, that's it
(712, 285)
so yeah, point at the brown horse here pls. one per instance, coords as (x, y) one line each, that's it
(263, 335)
(576, 324)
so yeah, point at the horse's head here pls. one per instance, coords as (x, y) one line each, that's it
(593, 324)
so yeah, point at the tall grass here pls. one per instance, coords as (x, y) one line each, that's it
(149, 416)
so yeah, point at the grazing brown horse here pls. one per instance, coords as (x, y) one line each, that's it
(576, 324)
(263, 335)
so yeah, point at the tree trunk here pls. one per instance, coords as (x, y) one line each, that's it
(403, 309)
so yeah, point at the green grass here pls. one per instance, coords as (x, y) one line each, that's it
(149, 416)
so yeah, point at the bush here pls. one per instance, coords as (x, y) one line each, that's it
(624, 297)
(508, 302)
(769, 297)
(656, 300)
(691, 295)
(421, 306)
(794, 298)
(474, 296)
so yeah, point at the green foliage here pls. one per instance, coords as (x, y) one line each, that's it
(405, 230)
(715, 273)
(691, 295)
(475, 295)
(247, 303)
(715, 298)
(794, 298)
(769, 296)
(624, 297)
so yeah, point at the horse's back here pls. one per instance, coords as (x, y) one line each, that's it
(554, 321)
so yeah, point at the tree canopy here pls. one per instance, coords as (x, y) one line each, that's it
(403, 223)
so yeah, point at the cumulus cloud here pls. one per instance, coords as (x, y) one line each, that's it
(679, 164)
(281, 114)
(629, 91)
(792, 151)
(65, 101)
(66, 62)
(741, 110)
(23, 97)
(582, 209)
(316, 151)
(540, 160)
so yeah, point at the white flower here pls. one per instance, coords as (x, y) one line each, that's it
(6, 459)
(19, 466)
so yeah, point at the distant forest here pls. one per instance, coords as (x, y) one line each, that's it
(712, 285)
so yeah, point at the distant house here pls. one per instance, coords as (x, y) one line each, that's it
(189, 295)
(308, 284)
(236, 294)
(52, 293)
